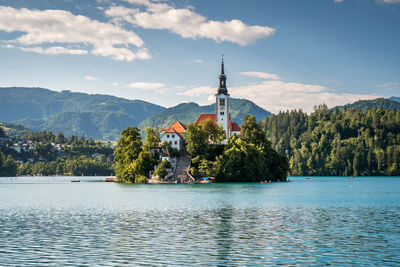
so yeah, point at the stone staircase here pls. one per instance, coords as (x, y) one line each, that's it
(182, 167)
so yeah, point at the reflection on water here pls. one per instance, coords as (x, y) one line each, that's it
(192, 231)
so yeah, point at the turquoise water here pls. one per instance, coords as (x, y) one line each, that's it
(317, 221)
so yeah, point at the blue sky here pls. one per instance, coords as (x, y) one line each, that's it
(281, 54)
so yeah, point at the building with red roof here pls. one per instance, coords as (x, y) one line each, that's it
(174, 134)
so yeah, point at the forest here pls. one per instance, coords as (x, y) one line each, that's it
(347, 142)
(71, 156)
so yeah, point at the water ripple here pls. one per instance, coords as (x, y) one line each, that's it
(225, 236)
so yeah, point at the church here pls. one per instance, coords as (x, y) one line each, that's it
(221, 116)
(175, 134)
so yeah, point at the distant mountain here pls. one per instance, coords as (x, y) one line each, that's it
(97, 116)
(364, 105)
(188, 112)
(395, 98)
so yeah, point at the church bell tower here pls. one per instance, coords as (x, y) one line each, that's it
(222, 102)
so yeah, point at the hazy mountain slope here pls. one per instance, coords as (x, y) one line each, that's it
(97, 116)
(188, 112)
(364, 105)
(395, 98)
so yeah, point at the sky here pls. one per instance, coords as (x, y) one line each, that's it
(280, 54)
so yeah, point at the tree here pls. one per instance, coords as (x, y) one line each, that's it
(161, 170)
(197, 140)
(60, 138)
(152, 138)
(2, 132)
(128, 150)
(143, 164)
(215, 133)
(252, 132)
(8, 166)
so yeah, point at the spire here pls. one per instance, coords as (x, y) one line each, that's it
(222, 65)
(222, 80)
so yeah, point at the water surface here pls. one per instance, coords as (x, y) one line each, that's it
(322, 220)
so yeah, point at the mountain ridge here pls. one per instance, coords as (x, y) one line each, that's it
(100, 116)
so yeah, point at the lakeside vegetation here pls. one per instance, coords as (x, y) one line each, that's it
(44, 153)
(247, 157)
(345, 142)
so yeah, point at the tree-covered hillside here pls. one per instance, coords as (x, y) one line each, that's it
(364, 105)
(395, 98)
(96, 116)
(14, 130)
(188, 112)
(334, 142)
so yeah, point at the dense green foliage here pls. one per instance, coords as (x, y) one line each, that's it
(364, 105)
(133, 160)
(188, 112)
(161, 170)
(246, 158)
(82, 166)
(97, 116)
(8, 166)
(333, 142)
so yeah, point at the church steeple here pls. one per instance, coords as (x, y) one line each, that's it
(222, 80)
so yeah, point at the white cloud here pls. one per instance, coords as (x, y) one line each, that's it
(378, 1)
(54, 50)
(197, 91)
(147, 86)
(390, 1)
(281, 95)
(261, 75)
(115, 84)
(187, 23)
(389, 86)
(198, 61)
(91, 78)
(61, 27)
(276, 95)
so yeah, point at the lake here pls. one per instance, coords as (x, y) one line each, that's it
(317, 221)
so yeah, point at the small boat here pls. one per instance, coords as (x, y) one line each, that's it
(308, 178)
(207, 180)
(75, 181)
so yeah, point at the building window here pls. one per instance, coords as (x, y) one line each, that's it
(222, 102)
(173, 136)
(221, 113)
(176, 142)
(167, 135)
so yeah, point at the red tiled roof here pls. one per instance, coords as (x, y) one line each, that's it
(171, 130)
(206, 116)
(176, 127)
(179, 127)
(235, 127)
